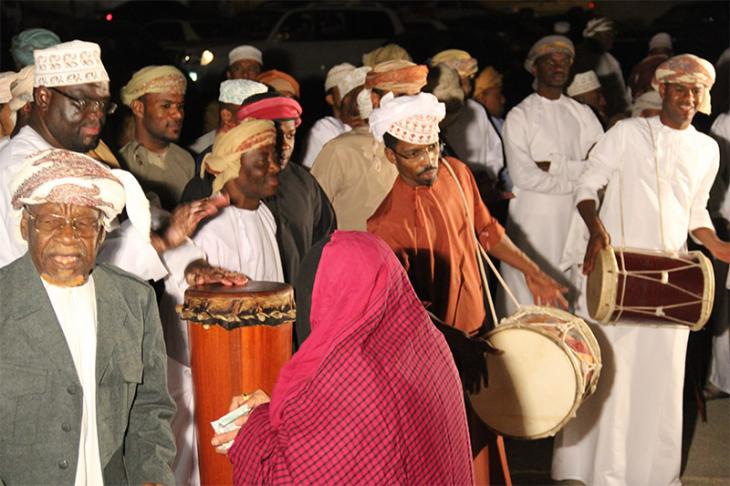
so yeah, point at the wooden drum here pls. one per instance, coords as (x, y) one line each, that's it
(652, 287)
(240, 337)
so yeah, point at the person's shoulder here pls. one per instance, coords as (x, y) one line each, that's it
(518, 111)
(122, 278)
(177, 151)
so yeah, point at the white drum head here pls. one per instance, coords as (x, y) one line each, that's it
(534, 387)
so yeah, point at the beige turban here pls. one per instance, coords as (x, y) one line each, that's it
(548, 45)
(413, 119)
(336, 73)
(456, 59)
(6, 79)
(583, 83)
(69, 63)
(154, 79)
(64, 177)
(22, 88)
(400, 77)
(390, 52)
(225, 160)
(280, 81)
(687, 69)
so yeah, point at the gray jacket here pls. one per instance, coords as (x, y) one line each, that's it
(41, 396)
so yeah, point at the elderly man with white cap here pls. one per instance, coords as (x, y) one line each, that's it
(657, 173)
(328, 127)
(156, 96)
(424, 220)
(586, 88)
(85, 397)
(244, 62)
(547, 137)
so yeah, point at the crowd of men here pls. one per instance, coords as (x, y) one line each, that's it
(96, 382)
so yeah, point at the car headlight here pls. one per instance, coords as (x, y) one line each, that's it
(206, 57)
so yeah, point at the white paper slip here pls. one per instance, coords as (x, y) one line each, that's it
(227, 422)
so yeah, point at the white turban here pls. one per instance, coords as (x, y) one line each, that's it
(235, 91)
(22, 88)
(65, 177)
(353, 79)
(6, 79)
(242, 53)
(336, 73)
(583, 83)
(413, 119)
(69, 63)
(600, 24)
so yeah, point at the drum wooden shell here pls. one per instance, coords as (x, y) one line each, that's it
(550, 364)
(240, 338)
(656, 288)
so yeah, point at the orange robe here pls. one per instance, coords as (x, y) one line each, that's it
(429, 231)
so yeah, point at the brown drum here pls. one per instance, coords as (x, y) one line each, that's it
(240, 337)
(654, 287)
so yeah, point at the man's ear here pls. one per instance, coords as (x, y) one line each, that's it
(390, 155)
(24, 230)
(330, 100)
(662, 90)
(42, 97)
(137, 107)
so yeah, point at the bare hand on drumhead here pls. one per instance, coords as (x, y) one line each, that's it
(598, 241)
(259, 397)
(186, 217)
(546, 291)
(201, 272)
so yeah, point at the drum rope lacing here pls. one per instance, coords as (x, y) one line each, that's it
(482, 253)
(641, 274)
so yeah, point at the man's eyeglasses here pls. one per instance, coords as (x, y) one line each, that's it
(433, 149)
(85, 226)
(85, 106)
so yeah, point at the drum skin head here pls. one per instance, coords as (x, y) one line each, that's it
(534, 386)
(602, 285)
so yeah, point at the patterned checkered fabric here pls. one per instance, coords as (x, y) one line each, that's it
(384, 404)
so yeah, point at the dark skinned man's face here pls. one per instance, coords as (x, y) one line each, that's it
(72, 117)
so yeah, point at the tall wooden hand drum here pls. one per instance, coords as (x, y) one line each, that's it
(240, 337)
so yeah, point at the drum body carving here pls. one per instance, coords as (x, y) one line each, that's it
(240, 337)
(652, 287)
(550, 364)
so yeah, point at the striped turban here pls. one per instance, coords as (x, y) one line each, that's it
(154, 79)
(225, 160)
(399, 77)
(687, 69)
(548, 45)
(64, 177)
(280, 81)
(458, 60)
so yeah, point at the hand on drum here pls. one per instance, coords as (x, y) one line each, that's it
(259, 397)
(200, 272)
(546, 291)
(598, 241)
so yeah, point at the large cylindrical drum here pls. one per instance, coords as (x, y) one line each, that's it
(240, 337)
(654, 287)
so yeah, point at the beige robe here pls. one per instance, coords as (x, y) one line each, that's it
(355, 175)
(163, 174)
